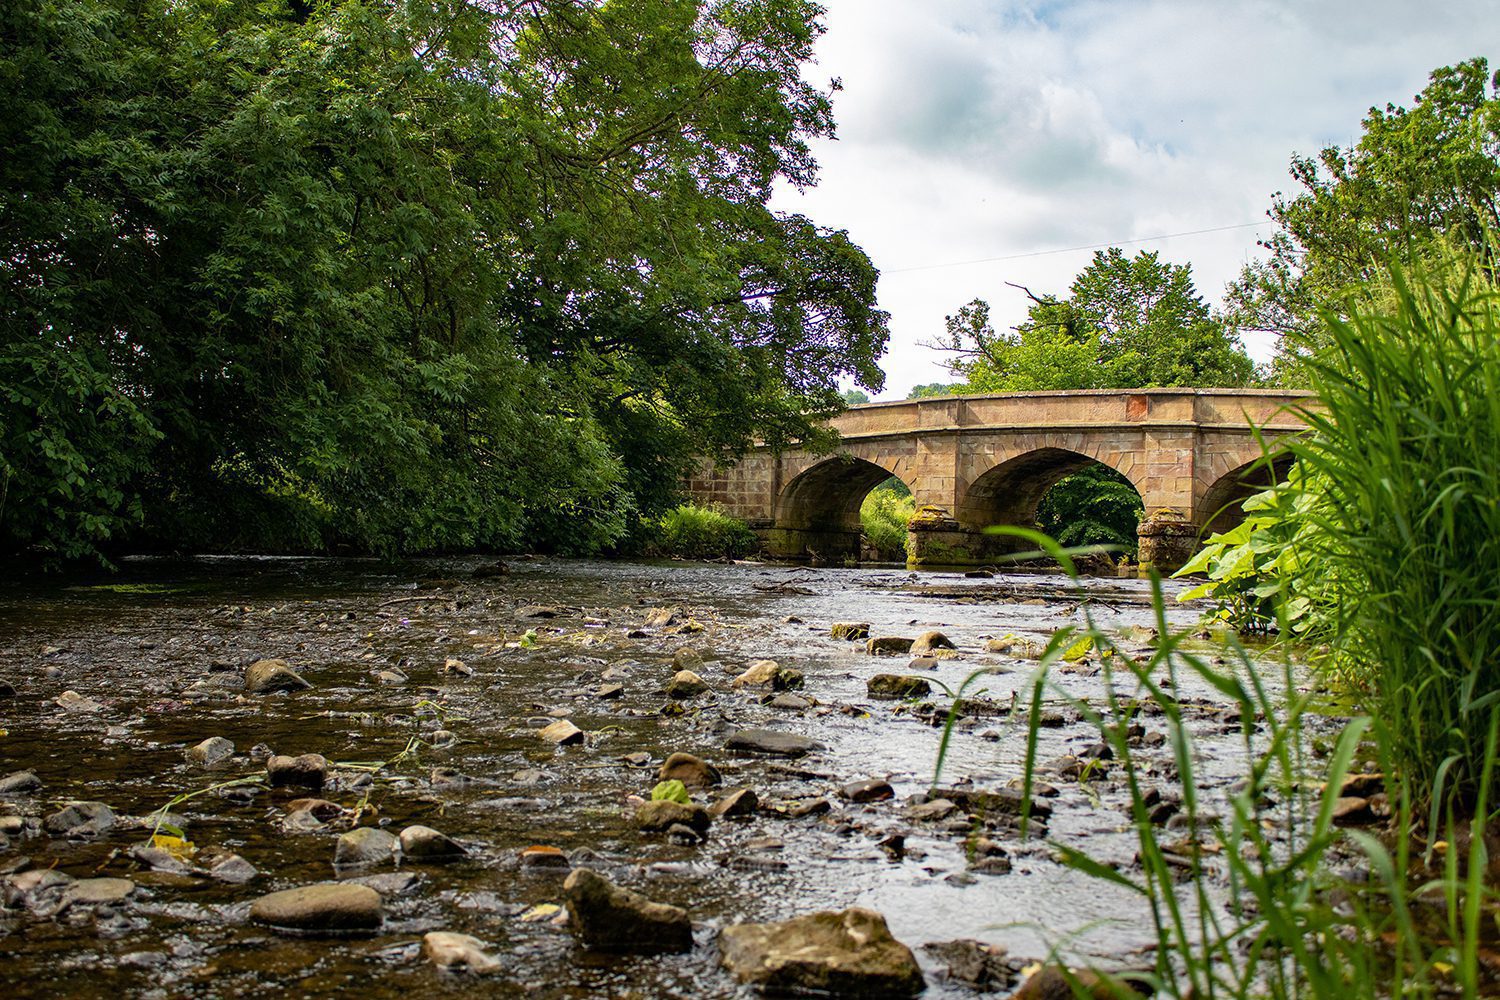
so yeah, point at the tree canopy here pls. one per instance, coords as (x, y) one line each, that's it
(1421, 184)
(1127, 322)
(404, 275)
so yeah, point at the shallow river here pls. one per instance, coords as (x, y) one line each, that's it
(160, 652)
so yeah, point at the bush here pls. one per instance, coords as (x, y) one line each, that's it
(883, 517)
(694, 532)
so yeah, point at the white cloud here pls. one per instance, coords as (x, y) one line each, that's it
(975, 129)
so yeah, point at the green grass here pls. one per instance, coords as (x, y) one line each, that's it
(883, 517)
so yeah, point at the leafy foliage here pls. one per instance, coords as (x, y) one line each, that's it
(694, 532)
(1093, 506)
(1128, 322)
(884, 515)
(405, 276)
(1421, 183)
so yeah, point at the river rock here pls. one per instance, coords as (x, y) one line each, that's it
(80, 820)
(761, 673)
(791, 702)
(662, 814)
(606, 917)
(210, 751)
(563, 733)
(873, 790)
(19, 782)
(321, 809)
(365, 845)
(931, 811)
(423, 843)
(850, 631)
(543, 856)
(928, 641)
(687, 658)
(271, 676)
(230, 867)
(897, 686)
(686, 684)
(771, 742)
(329, 906)
(72, 701)
(849, 953)
(888, 645)
(691, 770)
(448, 950)
(307, 770)
(32, 889)
(923, 663)
(452, 665)
(1050, 982)
(661, 617)
(98, 891)
(984, 967)
(740, 802)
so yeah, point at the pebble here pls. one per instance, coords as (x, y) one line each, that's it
(210, 751)
(449, 950)
(330, 906)
(366, 845)
(271, 676)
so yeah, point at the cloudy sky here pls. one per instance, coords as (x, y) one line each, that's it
(971, 130)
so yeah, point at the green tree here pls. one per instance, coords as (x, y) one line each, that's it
(931, 389)
(1421, 184)
(405, 275)
(1127, 322)
(853, 397)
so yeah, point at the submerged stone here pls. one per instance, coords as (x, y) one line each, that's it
(330, 906)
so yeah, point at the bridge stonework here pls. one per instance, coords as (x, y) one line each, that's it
(976, 461)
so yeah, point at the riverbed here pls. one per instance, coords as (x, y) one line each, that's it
(155, 658)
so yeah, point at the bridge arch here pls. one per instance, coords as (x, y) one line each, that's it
(1220, 502)
(817, 512)
(1010, 491)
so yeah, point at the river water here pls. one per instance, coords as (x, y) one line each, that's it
(160, 649)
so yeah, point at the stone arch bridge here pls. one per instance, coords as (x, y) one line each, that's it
(975, 461)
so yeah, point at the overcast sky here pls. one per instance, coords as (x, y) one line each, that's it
(975, 129)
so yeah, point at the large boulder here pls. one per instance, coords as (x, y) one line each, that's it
(331, 906)
(605, 917)
(849, 953)
(271, 676)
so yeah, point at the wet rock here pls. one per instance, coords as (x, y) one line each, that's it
(210, 751)
(309, 770)
(233, 869)
(1006, 646)
(873, 790)
(850, 631)
(366, 845)
(897, 686)
(888, 645)
(658, 816)
(609, 692)
(931, 811)
(691, 770)
(98, 891)
(661, 617)
(391, 677)
(20, 782)
(457, 667)
(448, 950)
(923, 663)
(442, 738)
(683, 836)
(80, 820)
(606, 917)
(423, 843)
(1051, 983)
(788, 679)
(807, 807)
(1351, 810)
(791, 702)
(33, 889)
(686, 684)
(993, 801)
(388, 884)
(928, 641)
(542, 856)
(72, 701)
(771, 742)
(563, 733)
(321, 809)
(687, 658)
(1362, 786)
(271, 676)
(761, 673)
(740, 802)
(849, 953)
(325, 907)
(159, 860)
(980, 966)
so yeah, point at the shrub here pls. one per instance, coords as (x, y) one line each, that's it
(883, 517)
(694, 532)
